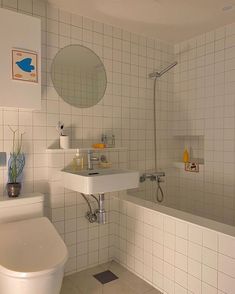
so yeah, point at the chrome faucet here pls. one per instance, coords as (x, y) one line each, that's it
(91, 159)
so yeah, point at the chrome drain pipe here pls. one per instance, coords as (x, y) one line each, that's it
(99, 215)
(100, 212)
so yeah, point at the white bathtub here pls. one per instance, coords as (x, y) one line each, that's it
(177, 252)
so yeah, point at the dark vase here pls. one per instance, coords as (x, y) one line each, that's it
(13, 189)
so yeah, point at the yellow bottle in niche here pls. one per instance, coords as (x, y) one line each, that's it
(186, 156)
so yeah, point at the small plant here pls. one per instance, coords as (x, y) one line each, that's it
(16, 161)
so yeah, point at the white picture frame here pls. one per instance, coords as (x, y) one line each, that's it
(24, 65)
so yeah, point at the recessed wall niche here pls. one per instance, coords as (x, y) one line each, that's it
(193, 143)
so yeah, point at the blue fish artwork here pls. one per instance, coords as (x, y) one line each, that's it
(25, 65)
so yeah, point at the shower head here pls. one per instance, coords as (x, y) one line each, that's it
(157, 74)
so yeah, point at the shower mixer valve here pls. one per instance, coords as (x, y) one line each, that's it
(157, 176)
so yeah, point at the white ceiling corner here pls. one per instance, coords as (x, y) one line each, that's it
(169, 20)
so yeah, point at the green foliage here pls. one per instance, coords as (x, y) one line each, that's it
(16, 161)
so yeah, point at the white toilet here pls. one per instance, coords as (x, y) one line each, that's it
(32, 254)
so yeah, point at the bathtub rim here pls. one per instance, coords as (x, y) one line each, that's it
(181, 215)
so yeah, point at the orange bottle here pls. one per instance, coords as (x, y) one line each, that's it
(186, 156)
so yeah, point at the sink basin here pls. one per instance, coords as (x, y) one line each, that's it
(100, 180)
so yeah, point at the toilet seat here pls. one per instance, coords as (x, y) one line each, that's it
(30, 248)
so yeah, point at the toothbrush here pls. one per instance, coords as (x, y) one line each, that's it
(60, 128)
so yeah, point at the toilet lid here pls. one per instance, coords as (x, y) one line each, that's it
(30, 247)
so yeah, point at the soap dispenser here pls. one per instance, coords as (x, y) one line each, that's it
(77, 163)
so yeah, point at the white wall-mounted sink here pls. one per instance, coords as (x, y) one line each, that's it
(100, 180)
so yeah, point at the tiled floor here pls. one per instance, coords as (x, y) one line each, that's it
(84, 282)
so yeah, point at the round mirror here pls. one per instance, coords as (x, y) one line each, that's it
(79, 76)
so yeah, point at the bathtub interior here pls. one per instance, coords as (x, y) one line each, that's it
(189, 192)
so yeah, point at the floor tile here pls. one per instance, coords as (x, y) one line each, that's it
(127, 283)
(117, 287)
(154, 291)
(68, 288)
(137, 284)
(114, 267)
(86, 283)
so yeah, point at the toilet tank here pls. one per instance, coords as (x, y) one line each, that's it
(23, 207)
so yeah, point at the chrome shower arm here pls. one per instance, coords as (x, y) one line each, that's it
(167, 68)
(157, 74)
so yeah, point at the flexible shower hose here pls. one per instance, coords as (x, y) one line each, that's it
(158, 191)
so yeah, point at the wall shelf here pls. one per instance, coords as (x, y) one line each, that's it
(74, 150)
(181, 136)
(180, 164)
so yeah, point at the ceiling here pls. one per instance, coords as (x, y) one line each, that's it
(169, 20)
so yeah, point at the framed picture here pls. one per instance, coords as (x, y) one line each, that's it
(24, 66)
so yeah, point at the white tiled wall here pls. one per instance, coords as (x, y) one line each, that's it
(204, 107)
(175, 256)
(200, 116)
(126, 109)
